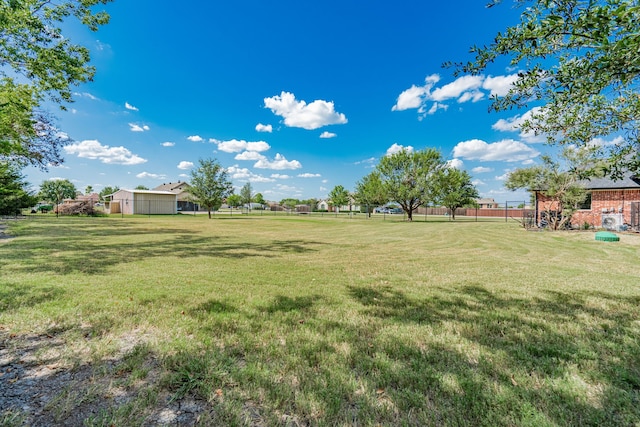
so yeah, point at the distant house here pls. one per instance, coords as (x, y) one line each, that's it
(323, 205)
(487, 204)
(610, 204)
(92, 198)
(141, 202)
(181, 189)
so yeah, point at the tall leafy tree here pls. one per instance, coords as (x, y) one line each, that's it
(39, 63)
(339, 196)
(234, 200)
(454, 189)
(107, 190)
(57, 190)
(141, 187)
(578, 59)
(408, 177)
(14, 191)
(259, 198)
(210, 184)
(370, 191)
(245, 194)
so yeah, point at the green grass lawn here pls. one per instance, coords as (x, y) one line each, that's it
(286, 320)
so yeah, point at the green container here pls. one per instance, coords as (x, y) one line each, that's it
(606, 236)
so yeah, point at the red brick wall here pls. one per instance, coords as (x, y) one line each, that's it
(602, 201)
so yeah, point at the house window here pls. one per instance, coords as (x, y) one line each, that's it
(586, 204)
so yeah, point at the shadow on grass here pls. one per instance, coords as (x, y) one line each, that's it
(567, 358)
(90, 248)
(13, 296)
(464, 357)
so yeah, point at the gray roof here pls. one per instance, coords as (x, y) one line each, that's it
(627, 182)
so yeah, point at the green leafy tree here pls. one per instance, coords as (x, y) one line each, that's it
(14, 192)
(234, 200)
(245, 194)
(210, 184)
(88, 190)
(57, 190)
(579, 59)
(38, 64)
(558, 181)
(289, 203)
(454, 189)
(141, 187)
(259, 198)
(107, 190)
(339, 196)
(370, 191)
(408, 177)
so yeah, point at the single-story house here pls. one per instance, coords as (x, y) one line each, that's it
(487, 204)
(323, 205)
(184, 197)
(145, 202)
(610, 204)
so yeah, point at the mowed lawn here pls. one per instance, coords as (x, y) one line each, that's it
(285, 320)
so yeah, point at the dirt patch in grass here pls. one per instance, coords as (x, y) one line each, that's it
(40, 385)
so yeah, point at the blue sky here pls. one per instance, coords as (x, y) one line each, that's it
(294, 97)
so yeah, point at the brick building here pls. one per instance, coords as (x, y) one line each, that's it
(610, 204)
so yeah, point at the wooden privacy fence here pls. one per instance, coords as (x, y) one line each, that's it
(484, 212)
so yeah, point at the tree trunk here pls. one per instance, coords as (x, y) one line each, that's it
(209, 209)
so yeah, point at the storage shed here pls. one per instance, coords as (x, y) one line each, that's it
(142, 202)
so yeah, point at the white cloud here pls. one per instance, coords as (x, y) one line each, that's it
(184, 175)
(299, 114)
(184, 165)
(459, 88)
(279, 163)
(151, 175)
(195, 138)
(309, 175)
(463, 89)
(92, 149)
(396, 148)
(264, 128)
(168, 144)
(236, 146)
(499, 85)
(326, 134)
(137, 128)
(601, 142)
(508, 150)
(478, 182)
(279, 176)
(245, 174)
(130, 107)
(481, 169)
(513, 124)
(249, 155)
(437, 106)
(455, 164)
(410, 98)
(369, 161)
(86, 95)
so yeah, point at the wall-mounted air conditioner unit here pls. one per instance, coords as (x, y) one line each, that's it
(612, 222)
